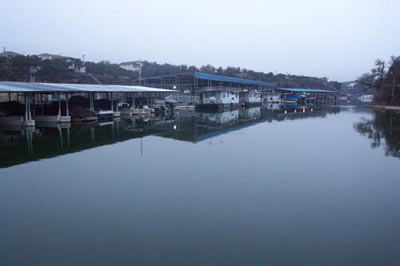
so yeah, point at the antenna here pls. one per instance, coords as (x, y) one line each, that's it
(4, 49)
(83, 58)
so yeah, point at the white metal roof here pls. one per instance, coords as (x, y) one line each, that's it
(7, 86)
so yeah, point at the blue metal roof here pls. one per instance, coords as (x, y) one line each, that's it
(303, 90)
(212, 77)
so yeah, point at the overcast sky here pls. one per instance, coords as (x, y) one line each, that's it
(338, 39)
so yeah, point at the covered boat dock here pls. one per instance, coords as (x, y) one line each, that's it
(191, 82)
(308, 95)
(38, 94)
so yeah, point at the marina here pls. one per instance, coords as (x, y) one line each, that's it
(25, 103)
(221, 133)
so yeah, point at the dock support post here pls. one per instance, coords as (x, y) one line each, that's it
(29, 107)
(91, 101)
(112, 102)
(34, 102)
(28, 115)
(26, 106)
(40, 104)
(66, 103)
(59, 107)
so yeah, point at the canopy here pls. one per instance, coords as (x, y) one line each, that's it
(6, 86)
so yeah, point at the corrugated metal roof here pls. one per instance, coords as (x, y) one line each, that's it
(6, 86)
(303, 90)
(212, 77)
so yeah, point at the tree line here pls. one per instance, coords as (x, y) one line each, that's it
(61, 70)
(152, 69)
(385, 79)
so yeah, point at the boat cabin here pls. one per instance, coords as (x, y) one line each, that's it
(218, 99)
(250, 98)
(273, 98)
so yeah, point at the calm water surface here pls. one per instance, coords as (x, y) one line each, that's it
(250, 187)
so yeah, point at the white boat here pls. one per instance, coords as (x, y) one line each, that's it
(273, 98)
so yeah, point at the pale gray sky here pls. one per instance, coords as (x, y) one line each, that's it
(338, 39)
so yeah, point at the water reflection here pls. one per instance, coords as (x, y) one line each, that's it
(45, 141)
(383, 130)
(281, 185)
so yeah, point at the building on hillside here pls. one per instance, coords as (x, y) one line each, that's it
(9, 54)
(46, 56)
(132, 65)
(81, 69)
(70, 60)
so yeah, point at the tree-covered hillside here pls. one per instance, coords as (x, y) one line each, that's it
(151, 69)
(64, 70)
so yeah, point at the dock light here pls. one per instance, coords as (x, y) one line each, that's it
(312, 109)
(174, 127)
(295, 110)
(304, 110)
(285, 112)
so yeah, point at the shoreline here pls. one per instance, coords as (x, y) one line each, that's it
(384, 107)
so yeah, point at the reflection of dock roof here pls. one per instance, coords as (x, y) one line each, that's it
(6, 86)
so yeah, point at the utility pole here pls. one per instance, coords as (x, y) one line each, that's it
(140, 73)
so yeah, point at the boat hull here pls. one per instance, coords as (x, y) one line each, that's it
(215, 107)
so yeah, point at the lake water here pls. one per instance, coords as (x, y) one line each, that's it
(251, 187)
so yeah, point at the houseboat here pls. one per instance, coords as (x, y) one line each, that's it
(249, 98)
(273, 98)
(217, 99)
